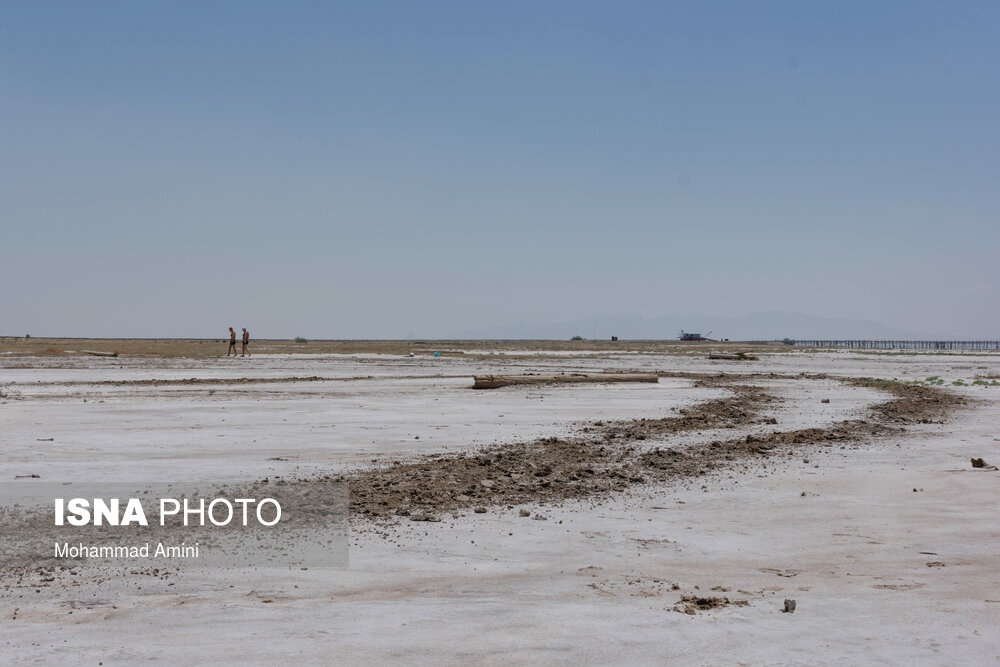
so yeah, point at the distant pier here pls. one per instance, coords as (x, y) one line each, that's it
(900, 344)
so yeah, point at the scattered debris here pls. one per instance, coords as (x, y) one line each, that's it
(780, 572)
(692, 604)
(100, 354)
(899, 587)
(935, 563)
(7, 392)
(789, 607)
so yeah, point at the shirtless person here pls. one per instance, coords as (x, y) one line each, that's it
(232, 342)
(246, 342)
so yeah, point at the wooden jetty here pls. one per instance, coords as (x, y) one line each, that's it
(901, 344)
(495, 381)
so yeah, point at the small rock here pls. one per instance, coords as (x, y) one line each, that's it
(978, 463)
(488, 483)
(462, 498)
(524, 513)
(480, 510)
(825, 400)
(789, 607)
(539, 517)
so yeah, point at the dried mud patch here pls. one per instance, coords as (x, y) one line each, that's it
(693, 604)
(914, 404)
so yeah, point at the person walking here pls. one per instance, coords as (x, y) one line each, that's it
(232, 342)
(246, 343)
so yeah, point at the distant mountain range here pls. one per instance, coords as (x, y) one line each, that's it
(772, 325)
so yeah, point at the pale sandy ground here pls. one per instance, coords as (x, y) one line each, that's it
(592, 584)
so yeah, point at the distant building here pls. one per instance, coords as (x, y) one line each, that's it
(687, 336)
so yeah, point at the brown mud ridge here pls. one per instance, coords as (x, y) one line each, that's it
(611, 456)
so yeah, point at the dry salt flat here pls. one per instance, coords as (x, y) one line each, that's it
(881, 574)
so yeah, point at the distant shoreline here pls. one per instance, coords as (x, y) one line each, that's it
(206, 348)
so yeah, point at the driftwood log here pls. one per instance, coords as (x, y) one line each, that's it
(735, 356)
(494, 381)
(100, 354)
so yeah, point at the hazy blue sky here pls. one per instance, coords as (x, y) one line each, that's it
(373, 169)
